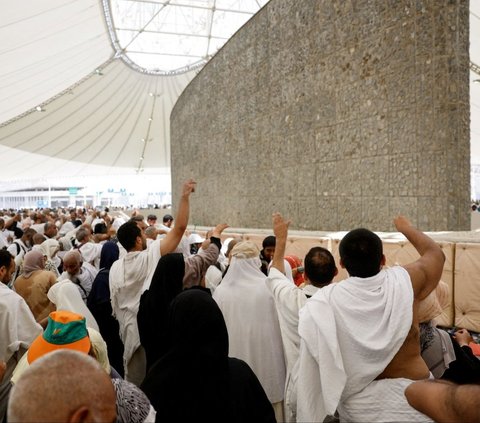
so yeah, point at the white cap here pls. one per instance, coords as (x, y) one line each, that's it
(195, 239)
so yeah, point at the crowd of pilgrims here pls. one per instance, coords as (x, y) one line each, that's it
(187, 327)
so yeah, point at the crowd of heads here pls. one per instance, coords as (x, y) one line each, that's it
(67, 344)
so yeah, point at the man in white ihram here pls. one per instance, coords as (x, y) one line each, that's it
(132, 274)
(360, 337)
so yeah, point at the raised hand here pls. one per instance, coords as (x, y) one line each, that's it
(401, 222)
(217, 231)
(189, 187)
(280, 225)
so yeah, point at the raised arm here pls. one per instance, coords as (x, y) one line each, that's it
(425, 273)
(171, 241)
(196, 265)
(11, 222)
(280, 230)
(3, 368)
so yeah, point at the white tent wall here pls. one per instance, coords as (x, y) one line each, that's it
(47, 46)
(71, 107)
(111, 119)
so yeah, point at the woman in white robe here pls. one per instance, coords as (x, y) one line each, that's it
(252, 321)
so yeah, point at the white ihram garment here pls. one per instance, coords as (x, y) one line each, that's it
(18, 330)
(289, 299)
(382, 400)
(129, 277)
(83, 279)
(252, 323)
(350, 331)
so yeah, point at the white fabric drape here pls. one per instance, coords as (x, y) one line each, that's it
(252, 323)
(350, 331)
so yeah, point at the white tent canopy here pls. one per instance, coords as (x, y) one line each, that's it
(74, 101)
(88, 85)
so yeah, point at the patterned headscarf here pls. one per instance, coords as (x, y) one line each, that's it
(133, 406)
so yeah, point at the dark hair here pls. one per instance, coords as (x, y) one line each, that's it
(167, 218)
(77, 223)
(29, 232)
(18, 232)
(320, 266)
(269, 241)
(361, 252)
(5, 258)
(127, 234)
(100, 228)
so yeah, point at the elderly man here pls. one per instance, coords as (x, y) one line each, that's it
(63, 386)
(360, 343)
(90, 251)
(50, 230)
(79, 272)
(131, 274)
(151, 234)
(17, 326)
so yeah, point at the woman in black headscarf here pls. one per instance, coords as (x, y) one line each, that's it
(99, 304)
(195, 380)
(167, 283)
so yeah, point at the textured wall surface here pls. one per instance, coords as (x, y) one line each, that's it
(338, 114)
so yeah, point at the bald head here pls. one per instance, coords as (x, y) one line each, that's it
(72, 262)
(63, 386)
(151, 232)
(37, 238)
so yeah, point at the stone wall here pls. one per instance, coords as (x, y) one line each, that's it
(338, 114)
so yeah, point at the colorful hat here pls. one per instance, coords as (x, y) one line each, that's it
(64, 330)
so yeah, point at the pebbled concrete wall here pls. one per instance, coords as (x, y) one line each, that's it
(338, 114)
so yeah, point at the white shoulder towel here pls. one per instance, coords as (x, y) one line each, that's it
(350, 331)
(129, 277)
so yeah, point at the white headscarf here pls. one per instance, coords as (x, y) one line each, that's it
(66, 296)
(251, 318)
(49, 247)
